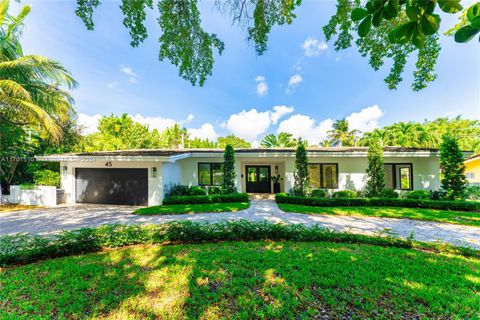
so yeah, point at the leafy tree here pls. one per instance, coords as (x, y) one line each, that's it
(200, 143)
(453, 179)
(341, 136)
(301, 177)
(234, 141)
(282, 140)
(386, 28)
(174, 137)
(229, 169)
(375, 170)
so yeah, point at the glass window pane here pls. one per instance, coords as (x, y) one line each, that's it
(405, 182)
(263, 174)
(204, 174)
(330, 176)
(314, 174)
(252, 174)
(217, 174)
(389, 176)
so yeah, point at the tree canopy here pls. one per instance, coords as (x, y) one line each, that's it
(386, 29)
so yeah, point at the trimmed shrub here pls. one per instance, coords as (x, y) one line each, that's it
(214, 190)
(196, 191)
(473, 193)
(437, 195)
(389, 193)
(345, 194)
(21, 248)
(318, 193)
(221, 198)
(181, 190)
(46, 178)
(469, 206)
(418, 194)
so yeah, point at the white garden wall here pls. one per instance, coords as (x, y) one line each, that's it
(45, 196)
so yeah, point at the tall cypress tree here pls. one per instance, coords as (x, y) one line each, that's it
(229, 169)
(452, 169)
(375, 171)
(301, 178)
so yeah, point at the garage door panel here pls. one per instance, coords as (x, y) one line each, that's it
(111, 186)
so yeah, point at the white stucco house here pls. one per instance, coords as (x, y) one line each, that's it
(140, 176)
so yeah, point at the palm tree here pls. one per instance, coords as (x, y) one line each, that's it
(30, 86)
(282, 140)
(341, 136)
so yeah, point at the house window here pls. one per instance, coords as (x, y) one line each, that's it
(399, 176)
(323, 175)
(470, 175)
(210, 174)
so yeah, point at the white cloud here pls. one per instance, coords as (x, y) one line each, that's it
(293, 82)
(190, 117)
(305, 127)
(313, 47)
(132, 75)
(365, 120)
(206, 131)
(280, 111)
(262, 86)
(112, 84)
(158, 123)
(88, 123)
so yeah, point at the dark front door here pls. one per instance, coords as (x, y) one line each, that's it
(258, 179)
(111, 186)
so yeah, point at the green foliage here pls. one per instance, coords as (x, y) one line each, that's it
(472, 26)
(341, 136)
(452, 169)
(318, 193)
(229, 169)
(388, 193)
(134, 17)
(182, 190)
(418, 194)
(472, 193)
(282, 140)
(221, 198)
(46, 178)
(375, 170)
(301, 177)
(192, 208)
(234, 141)
(21, 248)
(469, 206)
(345, 194)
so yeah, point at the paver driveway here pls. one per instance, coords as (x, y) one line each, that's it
(56, 219)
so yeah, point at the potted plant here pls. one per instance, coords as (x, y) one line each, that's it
(276, 183)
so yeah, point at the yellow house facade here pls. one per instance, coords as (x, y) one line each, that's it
(472, 169)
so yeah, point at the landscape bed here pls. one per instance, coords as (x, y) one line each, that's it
(192, 208)
(455, 217)
(246, 280)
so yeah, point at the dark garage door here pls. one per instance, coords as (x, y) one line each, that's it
(112, 186)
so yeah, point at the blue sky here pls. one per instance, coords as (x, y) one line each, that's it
(247, 95)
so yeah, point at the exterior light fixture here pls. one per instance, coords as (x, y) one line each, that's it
(154, 172)
(276, 169)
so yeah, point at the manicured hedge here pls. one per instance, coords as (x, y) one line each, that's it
(217, 198)
(470, 206)
(22, 248)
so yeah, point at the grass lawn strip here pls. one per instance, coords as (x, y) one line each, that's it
(192, 208)
(246, 280)
(464, 218)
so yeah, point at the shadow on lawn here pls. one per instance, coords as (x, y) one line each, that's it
(248, 280)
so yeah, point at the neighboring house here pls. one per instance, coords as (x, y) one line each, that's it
(140, 176)
(472, 170)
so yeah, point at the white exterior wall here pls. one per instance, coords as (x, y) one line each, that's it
(155, 185)
(45, 196)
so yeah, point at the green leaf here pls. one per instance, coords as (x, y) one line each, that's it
(365, 26)
(475, 22)
(430, 23)
(473, 11)
(466, 34)
(413, 13)
(377, 18)
(418, 38)
(391, 10)
(358, 14)
(403, 33)
(450, 6)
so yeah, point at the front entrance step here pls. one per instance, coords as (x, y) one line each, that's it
(261, 196)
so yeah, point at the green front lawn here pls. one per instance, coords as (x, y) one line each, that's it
(245, 280)
(465, 218)
(192, 208)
